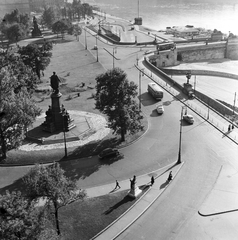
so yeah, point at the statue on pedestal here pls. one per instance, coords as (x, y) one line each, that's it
(54, 83)
(36, 32)
(134, 191)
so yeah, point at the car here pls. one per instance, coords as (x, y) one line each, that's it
(108, 152)
(188, 118)
(160, 109)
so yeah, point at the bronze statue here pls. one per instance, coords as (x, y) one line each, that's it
(54, 83)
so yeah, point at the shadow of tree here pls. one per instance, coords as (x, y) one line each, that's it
(17, 185)
(147, 99)
(117, 205)
(94, 147)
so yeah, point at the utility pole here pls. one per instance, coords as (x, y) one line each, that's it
(85, 38)
(114, 50)
(234, 104)
(180, 137)
(97, 46)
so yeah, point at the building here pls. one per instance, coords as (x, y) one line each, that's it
(180, 31)
(7, 6)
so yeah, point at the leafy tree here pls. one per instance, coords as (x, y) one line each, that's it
(61, 26)
(48, 16)
(19, 218)
(87, 10)
(14, 32)
(36, 57)
(115, 98)
(17, 84)
(15, 25)
(51, 184)
(77, 8)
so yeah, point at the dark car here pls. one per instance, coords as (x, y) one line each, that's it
(108, 152)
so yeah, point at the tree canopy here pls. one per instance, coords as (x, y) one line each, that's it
(48, 17)
(17, 84)
(19, 218)
(115, 97)
(15, 25)
(61, 26)
(37, 57)
(51, 184)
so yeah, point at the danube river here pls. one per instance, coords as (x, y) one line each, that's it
(159, 14)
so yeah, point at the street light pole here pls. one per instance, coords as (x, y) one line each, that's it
(85, 38)
(234, 104)
(180, 138)
(65, 147)
(113, 52)
(97, 46)
(139, 90)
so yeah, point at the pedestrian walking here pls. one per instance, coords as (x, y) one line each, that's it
(117, 185)
(233, 126)
(229, 128)
(152, 181)
(170, 177)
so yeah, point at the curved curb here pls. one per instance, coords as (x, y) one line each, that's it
(72, 158)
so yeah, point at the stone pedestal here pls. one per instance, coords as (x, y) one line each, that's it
(57, 118)
(134, 192)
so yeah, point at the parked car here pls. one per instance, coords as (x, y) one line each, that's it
(188, 118)
(160, 109)
(108, 152)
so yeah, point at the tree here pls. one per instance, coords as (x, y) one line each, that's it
(87, 10)
(15, 25)
(48, 16)
(19, 218)
(14, 32)
(61, 26)
(17, 84)
(51, 183)
(115, 98)
(77, 8)
(36, 57)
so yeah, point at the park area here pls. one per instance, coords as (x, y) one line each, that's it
(77, 69)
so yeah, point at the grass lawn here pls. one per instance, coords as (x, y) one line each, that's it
(82, 220)
(74, 65)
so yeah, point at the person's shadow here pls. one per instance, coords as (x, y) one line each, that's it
(164, 184)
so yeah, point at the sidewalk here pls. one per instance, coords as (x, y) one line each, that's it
(141, 205)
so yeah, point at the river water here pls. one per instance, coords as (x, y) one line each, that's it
(159, 14)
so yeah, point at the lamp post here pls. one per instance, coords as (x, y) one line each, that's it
(97, 46)
(141, 72)
(65, 147)
(113, 52)
(234, 105)
(180, 137)
(85, 38)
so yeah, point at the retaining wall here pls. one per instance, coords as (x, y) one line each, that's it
(219, 107)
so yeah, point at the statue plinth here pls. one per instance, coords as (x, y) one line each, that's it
(134, 192)
(57, 118)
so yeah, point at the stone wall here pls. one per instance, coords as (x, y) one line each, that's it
(232, 49)
(204, 52)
